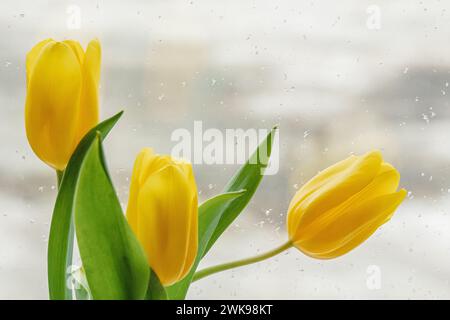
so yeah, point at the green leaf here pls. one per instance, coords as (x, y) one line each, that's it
(156, 290)
(209, 214)
(61, 230)
(115, 263)
(217, 213)
(248, 178)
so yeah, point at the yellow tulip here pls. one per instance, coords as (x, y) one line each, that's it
(62, 97)
(343, 205)
(162, 212)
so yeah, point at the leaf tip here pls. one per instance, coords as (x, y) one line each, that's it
(117, 116)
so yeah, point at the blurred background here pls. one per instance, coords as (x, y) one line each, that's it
(339, 77)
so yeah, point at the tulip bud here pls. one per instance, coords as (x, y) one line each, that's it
(162, 212)
(62, 97)
(343, 205)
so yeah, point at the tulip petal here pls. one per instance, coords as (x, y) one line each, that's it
(192, 242)
(77, 49)
(33, 55)
(164, 220)
(186, 167)
(312, 185)
(151, 164)
(134, 189)
(89, 105)
(52, 104)
(322, 177)
(352, 228)
(334, 191)
(146, 164)
(385, 182)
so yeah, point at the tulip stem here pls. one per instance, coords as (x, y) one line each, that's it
(68, 291)
(59, 176)
(240, 263)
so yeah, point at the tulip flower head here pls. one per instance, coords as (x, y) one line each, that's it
(62, 97)
(343, 205)
(162, 212)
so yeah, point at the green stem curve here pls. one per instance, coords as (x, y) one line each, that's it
(59, 176)
(71, 236)
(240, 263)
